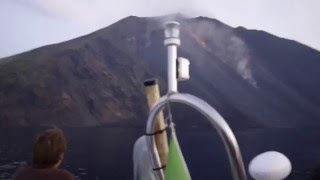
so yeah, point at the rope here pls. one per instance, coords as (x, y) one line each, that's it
(168, 120)
(170, 123)
(159, 168)
(157, 132)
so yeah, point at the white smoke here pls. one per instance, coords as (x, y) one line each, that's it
(227, 46)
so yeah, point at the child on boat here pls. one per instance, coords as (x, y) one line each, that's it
(48, 152)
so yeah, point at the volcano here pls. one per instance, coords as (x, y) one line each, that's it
(254, 79)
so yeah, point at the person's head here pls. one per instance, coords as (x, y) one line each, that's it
(49, 148)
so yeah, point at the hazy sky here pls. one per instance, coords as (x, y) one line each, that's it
(27, 24)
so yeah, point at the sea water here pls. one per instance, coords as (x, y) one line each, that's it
(106, 153)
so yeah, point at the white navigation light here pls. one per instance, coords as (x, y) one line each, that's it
(172, 33)
(172, 30)
(183, 69)
(270, 165)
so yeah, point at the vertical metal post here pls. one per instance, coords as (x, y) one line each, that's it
(172, 42)
(172, 69)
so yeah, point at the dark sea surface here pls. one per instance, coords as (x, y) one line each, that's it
(106, 153)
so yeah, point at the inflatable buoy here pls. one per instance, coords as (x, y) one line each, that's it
(270, 165)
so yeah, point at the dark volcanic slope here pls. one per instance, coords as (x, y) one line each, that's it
(253, 78)
(77, 83)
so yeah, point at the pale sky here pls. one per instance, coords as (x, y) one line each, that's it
(28, 24)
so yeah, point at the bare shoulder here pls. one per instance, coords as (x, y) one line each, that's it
(20, 172)
(28, 172)
(66, 175)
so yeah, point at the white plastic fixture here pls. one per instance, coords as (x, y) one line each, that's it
(270, 165)
(183, 69)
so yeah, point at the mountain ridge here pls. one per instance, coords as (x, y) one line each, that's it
(96, 79)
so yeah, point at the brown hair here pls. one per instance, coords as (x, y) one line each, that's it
(49, 148)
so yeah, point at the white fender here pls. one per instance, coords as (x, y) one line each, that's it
(270, 165)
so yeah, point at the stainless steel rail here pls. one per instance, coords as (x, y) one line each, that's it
(216, 120)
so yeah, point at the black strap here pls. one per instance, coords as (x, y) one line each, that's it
(159, 168)
(157, 132)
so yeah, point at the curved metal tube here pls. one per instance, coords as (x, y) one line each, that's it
(217, 121)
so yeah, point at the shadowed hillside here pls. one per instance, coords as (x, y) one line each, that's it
(254, 79)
